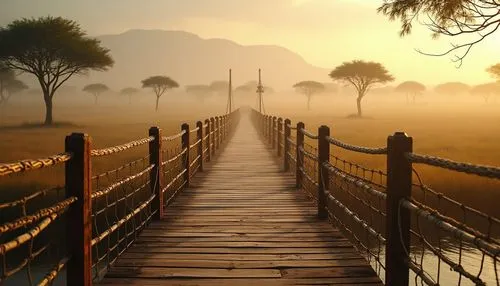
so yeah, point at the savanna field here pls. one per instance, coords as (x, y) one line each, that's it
(462, 128)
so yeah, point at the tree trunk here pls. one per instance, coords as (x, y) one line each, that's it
(157, 100)
(48, 109)
(358, 102)
(95, 98)
(414, 97)
(129, 99)
(308, 102)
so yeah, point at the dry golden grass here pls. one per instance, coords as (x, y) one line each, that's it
(462, 129)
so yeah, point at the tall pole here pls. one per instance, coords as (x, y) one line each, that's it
(260, 90)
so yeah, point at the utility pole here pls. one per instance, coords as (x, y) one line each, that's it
(229, 108)
(260, 91)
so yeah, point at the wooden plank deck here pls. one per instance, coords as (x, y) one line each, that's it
(242, 223)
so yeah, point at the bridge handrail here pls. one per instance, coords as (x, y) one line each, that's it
(91, 214)
(28, 164)
(392, 200)
(355, 148)
(480, 170)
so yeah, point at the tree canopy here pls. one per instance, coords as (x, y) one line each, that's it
(199, 90)
(473, 19)
(309, 88)
(494, 71)
(452, 88)
(362, 75)
(410, 88)
(486, 90)
(9, 85)
(96, 89)
(129, 91)
(159, 84)
(53, 49)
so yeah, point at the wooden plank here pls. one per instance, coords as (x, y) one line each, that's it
(243, 257)
(239, 250)
(164, 272)
(368, 281)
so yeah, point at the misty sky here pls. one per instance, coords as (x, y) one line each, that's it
(324, 32)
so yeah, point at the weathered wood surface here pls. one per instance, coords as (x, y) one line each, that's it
(242, 222)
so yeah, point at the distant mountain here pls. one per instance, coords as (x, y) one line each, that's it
(190, 59)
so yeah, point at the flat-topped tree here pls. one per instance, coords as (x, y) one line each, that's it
(494, 70)
(472, 20)
(486, 90)
(200, 91)
(219, 87)
(159, 84)
(53, 49)
(410, 88)
(129, 91)
(452, 88)
(362, 75)
(96, 89)
(309, 88)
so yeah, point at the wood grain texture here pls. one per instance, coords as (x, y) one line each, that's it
(241, 222)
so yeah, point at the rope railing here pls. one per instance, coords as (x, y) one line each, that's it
(480, 170)
(27, 165)
(120, 148)
(373, 207)
(360, 149)
(121, 201)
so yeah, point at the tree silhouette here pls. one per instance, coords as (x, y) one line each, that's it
(494, 71)
(452, 88)
(200, 91)
(129, 91)
(486, 90)
(362, 75)
(96, 89)
(475, 20)
(53, 50)
(309, 88)
(411, 88)
(159, 84)
(219, 87)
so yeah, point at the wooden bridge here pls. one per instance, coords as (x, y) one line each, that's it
(238, 200)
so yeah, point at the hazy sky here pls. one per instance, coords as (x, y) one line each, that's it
(324, 32)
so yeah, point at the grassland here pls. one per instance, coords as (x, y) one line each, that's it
(461, 128)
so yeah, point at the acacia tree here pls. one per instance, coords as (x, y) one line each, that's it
(200, 91)
(12, 87)
(53, 50)
(219, 87)
(452, 88)
(6, 76)
(494, 71)
(473, 20)
(362, 75)
(129, 91)
(159, 84)
(96, 89)
(486, 90)
(411, 88)
(309, 88)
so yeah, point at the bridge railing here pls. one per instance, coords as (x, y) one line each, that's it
(382, 210)
(104, 213)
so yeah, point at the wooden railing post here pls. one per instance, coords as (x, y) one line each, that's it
(399, 182)
(270, 129)
(185, 158)
(217, 132)
(78, 183)
(323, 175)
(199, 136)
(274, 132)
(212, 137)
(299, 156)
(207, 133)
(156, 173)
(278, 133)
(286, 143)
